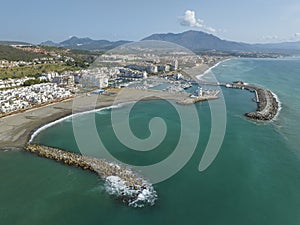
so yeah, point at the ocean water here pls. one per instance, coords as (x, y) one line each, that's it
(254, 180)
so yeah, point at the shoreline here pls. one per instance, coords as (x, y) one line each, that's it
(16, 130)
(45, 126)
(198, 77)
(119, 105)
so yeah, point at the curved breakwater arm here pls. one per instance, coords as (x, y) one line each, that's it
(267, 103)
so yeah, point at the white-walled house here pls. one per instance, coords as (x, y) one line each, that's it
(25, 97)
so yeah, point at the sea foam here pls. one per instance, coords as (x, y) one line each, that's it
(210, 69)
(44, 127)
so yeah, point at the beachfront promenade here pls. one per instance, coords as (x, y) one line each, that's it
(122, 182)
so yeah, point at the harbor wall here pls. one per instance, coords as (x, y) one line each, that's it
(267, 105)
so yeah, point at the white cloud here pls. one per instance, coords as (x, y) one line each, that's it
(189, 20)
(210, 29)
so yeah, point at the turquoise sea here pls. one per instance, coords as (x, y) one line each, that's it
(255, 179)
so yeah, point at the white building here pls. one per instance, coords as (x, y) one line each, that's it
(174, 65)
(178, 76)
(95, 78)
(25, 97)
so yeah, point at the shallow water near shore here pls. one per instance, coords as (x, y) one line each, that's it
(255, 178)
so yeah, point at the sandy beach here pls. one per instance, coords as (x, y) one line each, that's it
(197, 72)
(15, 130)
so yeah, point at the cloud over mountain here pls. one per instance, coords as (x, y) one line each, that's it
(189, 20)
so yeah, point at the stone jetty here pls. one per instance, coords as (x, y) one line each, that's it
(120, 181)
(190, 101)
(267, 105)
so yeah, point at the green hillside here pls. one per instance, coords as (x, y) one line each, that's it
(13, 54)
(34, 71)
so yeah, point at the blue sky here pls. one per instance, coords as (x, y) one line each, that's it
(248, 21)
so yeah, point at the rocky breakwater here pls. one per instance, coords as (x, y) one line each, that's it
(267, 104)
(120, 181)
(190, 101)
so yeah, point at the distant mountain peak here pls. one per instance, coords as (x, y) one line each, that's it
(75, 38)
(49, 43)
(86, 43)
(198, 40)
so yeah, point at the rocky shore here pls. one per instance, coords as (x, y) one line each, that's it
(267, 104)
(120, 181)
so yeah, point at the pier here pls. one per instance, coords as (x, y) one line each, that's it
(120, 181)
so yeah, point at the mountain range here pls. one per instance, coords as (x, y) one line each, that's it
(86, 44)
(201, 41)
(196, 41)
